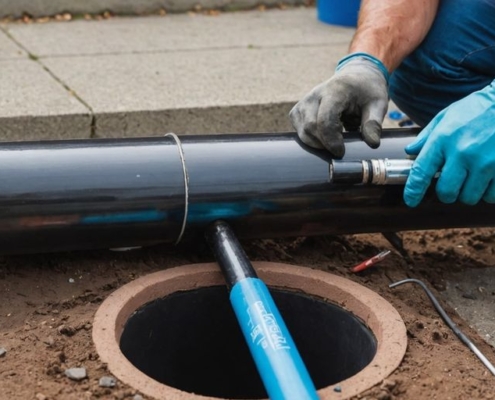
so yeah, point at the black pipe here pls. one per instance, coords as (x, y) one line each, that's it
(228, 252)
(67, 195)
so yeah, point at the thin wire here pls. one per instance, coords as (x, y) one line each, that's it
(449, 322)
(186, 184)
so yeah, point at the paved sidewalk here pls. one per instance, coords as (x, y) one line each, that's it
(235, 72)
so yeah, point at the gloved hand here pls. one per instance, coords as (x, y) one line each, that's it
(459, 141)
(357, 95)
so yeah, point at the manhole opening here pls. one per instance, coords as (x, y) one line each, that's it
(190, 340)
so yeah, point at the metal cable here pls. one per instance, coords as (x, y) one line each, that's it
(464, 339)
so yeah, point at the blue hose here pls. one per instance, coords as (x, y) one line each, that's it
(280, 366)
(274, 352)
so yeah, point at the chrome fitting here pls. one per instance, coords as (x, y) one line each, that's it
(390, 172)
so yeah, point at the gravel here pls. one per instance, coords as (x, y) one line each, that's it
(107, 381)
(76, 374)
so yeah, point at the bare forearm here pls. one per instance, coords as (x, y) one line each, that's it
(391, 29)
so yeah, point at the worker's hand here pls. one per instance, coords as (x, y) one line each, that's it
(459, 141)
(356, 96)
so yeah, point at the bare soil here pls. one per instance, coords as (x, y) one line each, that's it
(48, 304)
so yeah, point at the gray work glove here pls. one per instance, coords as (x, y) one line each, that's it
(356, 96)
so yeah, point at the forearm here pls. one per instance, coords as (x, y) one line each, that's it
(391, 29)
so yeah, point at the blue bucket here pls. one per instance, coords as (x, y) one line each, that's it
(339, 12)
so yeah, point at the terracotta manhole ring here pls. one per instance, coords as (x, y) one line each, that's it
(378, 315)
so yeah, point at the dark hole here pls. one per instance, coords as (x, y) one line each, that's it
(191, 341)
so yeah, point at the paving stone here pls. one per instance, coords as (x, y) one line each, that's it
(238, 72)
(34, 106)
(9, 49)
(273, 28)
(233, 90)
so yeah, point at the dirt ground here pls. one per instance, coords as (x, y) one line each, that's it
(48, 304)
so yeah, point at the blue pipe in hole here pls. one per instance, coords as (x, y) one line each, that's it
(275, 354)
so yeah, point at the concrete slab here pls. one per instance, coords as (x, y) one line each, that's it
(40, 8)
(274, 28)
(131, 88)
(472, 294)
(34, 106)
(232, 119)
(8, 49)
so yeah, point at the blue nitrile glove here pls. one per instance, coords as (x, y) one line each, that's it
(355, 96)
(459, 141)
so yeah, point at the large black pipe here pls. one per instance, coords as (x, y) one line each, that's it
(67, 195)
